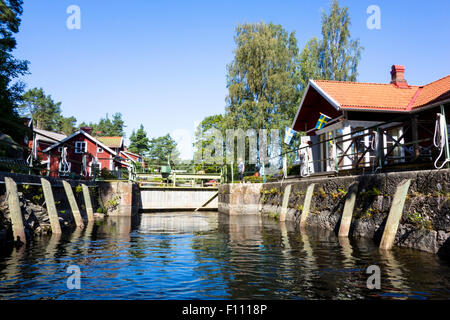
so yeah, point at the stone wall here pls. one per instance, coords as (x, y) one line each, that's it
(235, 199)
(119, 197)
(425, 222)
(114, 198)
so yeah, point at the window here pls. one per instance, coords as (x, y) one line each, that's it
(60, 149)
(394, 153)
(95, 169)
(99, 150)
(80, 147)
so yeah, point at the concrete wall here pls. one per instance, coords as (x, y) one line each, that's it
(237, 199)
(120, 197)
(425, 222)
(176, 198)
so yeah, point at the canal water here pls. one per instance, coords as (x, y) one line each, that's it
(208, 255)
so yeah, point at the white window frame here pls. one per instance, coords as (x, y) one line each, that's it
(78, 149)
(100, 150)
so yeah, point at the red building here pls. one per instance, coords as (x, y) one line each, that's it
(43, 139)
(132, 157)
(80, 153)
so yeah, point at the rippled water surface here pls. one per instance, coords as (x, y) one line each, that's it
(212, 256)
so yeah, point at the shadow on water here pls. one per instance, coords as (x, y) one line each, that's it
(207, 255)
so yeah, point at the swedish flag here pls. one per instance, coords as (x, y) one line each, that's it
(288, 134)
(323, 119)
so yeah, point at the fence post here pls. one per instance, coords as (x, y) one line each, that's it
(88, 202)
(73, 204)
(306, 205)
(14, 210)
(395, 214)
(51, 207)
(346, 219)
(284, 206)
(447, 147)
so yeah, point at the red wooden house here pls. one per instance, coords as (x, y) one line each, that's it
(385, 124)
(80, 153)
(44, 139)
(132, 157)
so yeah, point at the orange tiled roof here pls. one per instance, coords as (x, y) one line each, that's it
(435, 91)
(111, 142)
(377, 96)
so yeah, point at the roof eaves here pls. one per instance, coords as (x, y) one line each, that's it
(327, 97)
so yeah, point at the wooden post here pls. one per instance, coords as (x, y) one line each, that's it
(395, 214)
(73, 204)
(287, 193)
(346, 219)
(381, 150)
(307, 205)
(14, 210)
(415, 136)
(88, 202)
(51, 207)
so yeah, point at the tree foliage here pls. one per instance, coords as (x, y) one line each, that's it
(336, 55)
(161, 148)
(139, 142)
(262, 80)
(41, 107)
(106, 127)
(45, 112)
(10, 67)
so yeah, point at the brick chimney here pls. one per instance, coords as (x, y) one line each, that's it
(398, 76)
(88, 130)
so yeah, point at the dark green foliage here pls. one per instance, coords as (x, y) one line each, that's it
(161, 148)
(139, 143)
(10, 69)
(106, 127)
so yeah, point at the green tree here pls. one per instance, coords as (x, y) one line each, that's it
(139, 142)
(339, 54)
(45, 112)
(336, 55)
(162, 147)
(263, 78)
(10, 68)
(203, 137)
(66, 125)
(105, 127)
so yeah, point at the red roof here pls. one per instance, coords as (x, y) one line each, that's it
(389, 97)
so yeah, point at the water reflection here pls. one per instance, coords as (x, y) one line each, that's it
(207, 255)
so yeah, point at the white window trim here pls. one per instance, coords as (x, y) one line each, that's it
(79, 149)
(100, 150)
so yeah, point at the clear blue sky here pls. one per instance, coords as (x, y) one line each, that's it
(163, 63)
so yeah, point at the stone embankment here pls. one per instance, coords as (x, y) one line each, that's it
(425, 221)
(118, 198)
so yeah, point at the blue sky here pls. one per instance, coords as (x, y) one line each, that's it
(163, 63)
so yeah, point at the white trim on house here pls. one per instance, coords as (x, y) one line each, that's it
(327, 97)
(80, 146)
(333, 102)
(126, 155)
(87, 136)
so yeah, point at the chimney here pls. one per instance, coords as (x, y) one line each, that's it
(88, 130)
(398, 76)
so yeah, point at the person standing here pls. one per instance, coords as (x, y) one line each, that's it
(241, 168)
